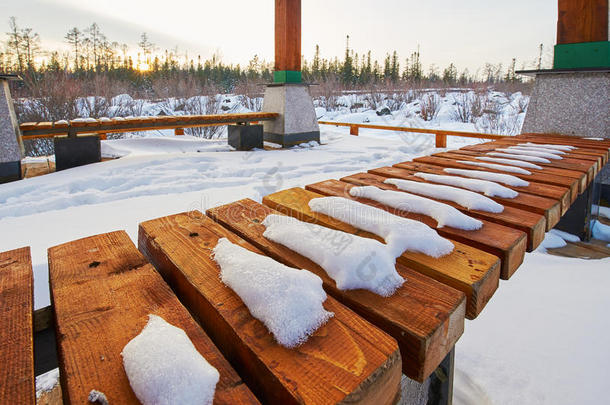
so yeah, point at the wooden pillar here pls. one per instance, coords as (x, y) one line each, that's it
(287, 41)
(582, 34)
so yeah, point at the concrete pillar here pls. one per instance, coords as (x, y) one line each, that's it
(11, 147)
(287, 96)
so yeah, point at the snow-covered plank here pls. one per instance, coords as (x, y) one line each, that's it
(560, 194)
(348, 359)
(534, 225)
(490, 148)
(550, 208)
(570, 184)
(549, 168)
(424, 316)
(456, 269)
(539, 177)
(17, 383)
(577, 175)
(103, 290)
(552, 139)
(506, 243)
(580, 153)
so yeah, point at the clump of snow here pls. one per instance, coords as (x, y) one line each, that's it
(518, 151)
(352, 261)
(464, 198)
(568, 237)
(97, 397)
(489, 188)
(549, 146)
(512, 162)
(545, 149)
(510, 169)
(400, 234)
(497, 177)
(555, 239)
(519, 157)
(445, 215)
(164, 367)
(600, 231)
(288, 301)
(47, 381)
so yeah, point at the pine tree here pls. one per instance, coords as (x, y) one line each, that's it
(74, 37)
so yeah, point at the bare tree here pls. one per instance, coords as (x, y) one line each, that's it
(74, 37)
(14, 43)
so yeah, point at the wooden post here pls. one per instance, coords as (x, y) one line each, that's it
(353, 130)
(441, 140)
(287, 41)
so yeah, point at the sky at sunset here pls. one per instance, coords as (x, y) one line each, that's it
(467, 33)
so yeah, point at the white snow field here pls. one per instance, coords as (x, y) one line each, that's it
(542, 339)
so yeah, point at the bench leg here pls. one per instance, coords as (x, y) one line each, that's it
(436, 390)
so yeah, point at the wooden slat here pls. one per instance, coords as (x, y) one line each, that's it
(424, 316)
(550, 208)
(347, 359)
(451, 163)
(102, 290)
(580, 178)
(506, 243)
(534, 225)
(17, 384)
(586, 169)
(466, 269)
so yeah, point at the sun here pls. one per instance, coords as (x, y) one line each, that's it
(144, 67)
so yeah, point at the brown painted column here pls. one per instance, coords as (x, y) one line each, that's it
(582, 35)
(287, 41)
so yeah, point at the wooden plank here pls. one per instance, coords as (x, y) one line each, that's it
(581, 153)
(424, 316)
(506, 243)
(348, 359)
(586, 169)
(550, 208)
(534, 225)
(17, 383)
(580, 178)
(567, 140)
(450, 163)
(102, 290)
(582, 21)
(466, 269)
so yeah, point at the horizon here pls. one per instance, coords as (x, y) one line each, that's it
(468, 35)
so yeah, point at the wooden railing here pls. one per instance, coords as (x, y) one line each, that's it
(33, 130)
(441, 134)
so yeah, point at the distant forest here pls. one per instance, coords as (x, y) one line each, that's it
(95, 65)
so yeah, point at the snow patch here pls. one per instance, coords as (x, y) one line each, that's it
(445, 215)
(510, 169)
(47, 381)
(543, 145)
(497, 177)
(512, 162)
(288, 301)
(352, 261)
(489, 188)
(600, 231)
(519, 157)
(544, 149)
(400, 234)
(568, 237)
(603, 212)
(464, 198)
(164, 367)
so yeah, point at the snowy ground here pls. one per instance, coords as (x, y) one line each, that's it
(541, 339)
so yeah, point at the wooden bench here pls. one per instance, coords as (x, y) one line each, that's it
(103, 290)
(17, 383)
(424, 316)
(551, 209)
(506, 243)
(582, 152)
(533, 224)
(346, 360)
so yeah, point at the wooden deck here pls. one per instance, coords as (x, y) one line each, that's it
(103, 289)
